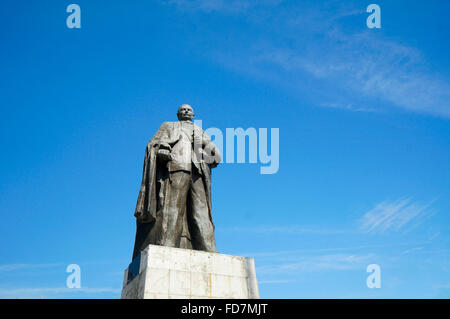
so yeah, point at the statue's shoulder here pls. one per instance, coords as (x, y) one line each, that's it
(165, 126)
(168, 124)
(198, 128)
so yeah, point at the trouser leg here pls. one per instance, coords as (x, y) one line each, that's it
(175, 208)
(200, 225)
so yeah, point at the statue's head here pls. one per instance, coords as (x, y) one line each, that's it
(185, 113)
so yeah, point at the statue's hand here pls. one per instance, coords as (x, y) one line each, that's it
(164, 145)
(213, 165)
(164, 155)
(209, 158)
(211, 155)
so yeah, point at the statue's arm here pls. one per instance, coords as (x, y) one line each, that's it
(161, 141)
(161, 137)
(162, 134)
(211, 150)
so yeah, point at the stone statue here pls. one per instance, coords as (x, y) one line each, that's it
(174, 203)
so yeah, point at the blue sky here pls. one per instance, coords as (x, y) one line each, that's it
(363, 117)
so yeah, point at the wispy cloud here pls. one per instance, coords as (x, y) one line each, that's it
(284, 229)
(379, 68)
(400, 215)
(409, 251)
(22, 266)
(42, 291)
(333, 262)
(349, 107)
(295, 252)
(34, 266)
(373, 68)
(330, 44)
(223, 6)
(37, 274)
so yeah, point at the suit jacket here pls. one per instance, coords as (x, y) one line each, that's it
(169, 133)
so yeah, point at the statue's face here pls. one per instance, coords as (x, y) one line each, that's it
(185, 113)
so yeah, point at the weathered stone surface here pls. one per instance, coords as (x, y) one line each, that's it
(168, 273)
(174, 202)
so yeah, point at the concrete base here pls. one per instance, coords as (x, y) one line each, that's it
(160, 272)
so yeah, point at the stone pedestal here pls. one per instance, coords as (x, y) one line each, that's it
(160, 272)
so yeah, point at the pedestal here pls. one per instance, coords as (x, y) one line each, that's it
(160, 272)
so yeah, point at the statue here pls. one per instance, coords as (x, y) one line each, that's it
(174, 203)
